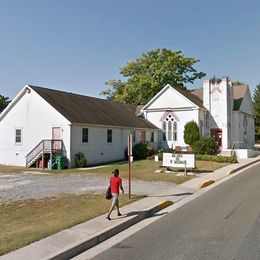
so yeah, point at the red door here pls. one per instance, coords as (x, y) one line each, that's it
(56, 135)
(216, 134)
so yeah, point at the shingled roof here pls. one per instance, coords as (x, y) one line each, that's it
(88, 110)
(193, 98)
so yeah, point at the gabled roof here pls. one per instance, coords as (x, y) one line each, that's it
(185, 93)
(193, 98)
(88, 110)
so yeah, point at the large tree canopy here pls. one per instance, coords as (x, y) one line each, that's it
(147, 75)
(257, 109)
(4, 101)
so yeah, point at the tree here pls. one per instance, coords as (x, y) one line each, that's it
(4, 101)
(256, 98)
(191, 133)
(147, 75)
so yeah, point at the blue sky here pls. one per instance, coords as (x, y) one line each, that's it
(76, 45)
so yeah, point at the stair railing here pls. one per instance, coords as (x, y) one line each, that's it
(47, 145)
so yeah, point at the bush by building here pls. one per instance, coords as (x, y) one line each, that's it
(140, 151)
(80, 160)
(191, 133)
(205, 145)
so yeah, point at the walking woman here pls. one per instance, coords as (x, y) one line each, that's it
(115, 184)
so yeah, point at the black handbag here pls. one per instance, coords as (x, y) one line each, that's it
(108, 193)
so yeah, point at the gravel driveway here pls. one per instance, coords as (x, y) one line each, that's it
(34, 186)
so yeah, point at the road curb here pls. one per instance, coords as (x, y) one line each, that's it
(80, 246)
(242, 167)
(206, 183)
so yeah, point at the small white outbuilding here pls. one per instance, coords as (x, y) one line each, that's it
(40, 123)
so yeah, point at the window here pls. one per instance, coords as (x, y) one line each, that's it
(169, 131)
(18, 135)
(169, 128)
(152, 137)
(174, 131)
(245, 128)
(164, 131)
(245, 136)
(109, 136)
(133, 136)
(84, 135)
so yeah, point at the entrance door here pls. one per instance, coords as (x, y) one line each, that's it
(143, 137)
(56, 135)
(216, 134)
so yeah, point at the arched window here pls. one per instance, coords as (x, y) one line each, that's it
(169, 128)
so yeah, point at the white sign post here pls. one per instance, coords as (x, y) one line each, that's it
(156, 159)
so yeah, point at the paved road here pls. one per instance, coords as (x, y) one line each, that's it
(34, 186)
(223, 223)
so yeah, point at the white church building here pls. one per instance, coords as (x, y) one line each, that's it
(222, 110)
(40, 123)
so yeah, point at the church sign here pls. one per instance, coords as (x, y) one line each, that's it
(179, 160)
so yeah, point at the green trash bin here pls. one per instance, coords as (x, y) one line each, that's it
(61, 162)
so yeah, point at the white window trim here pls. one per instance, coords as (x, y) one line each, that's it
(111, 136)
(82, 135)
(172, 133)
(15, 136)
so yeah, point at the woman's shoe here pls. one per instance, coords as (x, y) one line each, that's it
(107, 217)
(119, 214)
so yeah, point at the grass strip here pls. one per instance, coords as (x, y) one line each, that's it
(24, 222)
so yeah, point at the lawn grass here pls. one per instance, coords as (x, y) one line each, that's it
(24, 222)
(145, 170)
(140, 170)
(12, 169)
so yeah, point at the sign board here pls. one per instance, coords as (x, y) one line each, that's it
(179, 160)
(130, 144)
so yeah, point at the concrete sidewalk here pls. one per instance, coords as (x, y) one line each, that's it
(70, 242)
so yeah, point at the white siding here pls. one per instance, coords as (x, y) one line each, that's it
(170, 98)
(183, 116)
(36, 118)
(217, 98)
(97, 150)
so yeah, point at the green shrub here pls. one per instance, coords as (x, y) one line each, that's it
(191, 133)
(140, 151)
(164, 150)
(80, 160)
(205, 145)
(214, 158)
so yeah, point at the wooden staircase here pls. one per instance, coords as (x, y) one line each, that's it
(48, 147)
